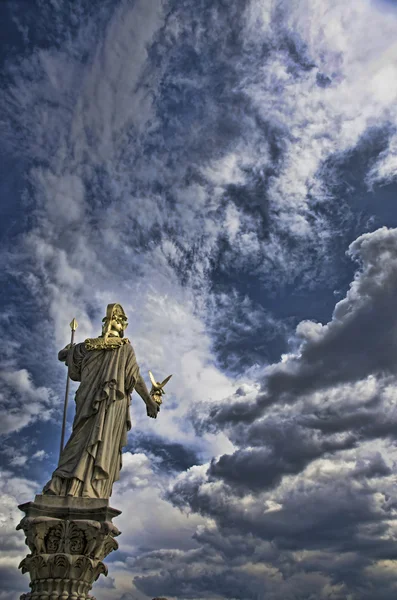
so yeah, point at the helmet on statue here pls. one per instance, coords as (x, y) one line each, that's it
(115, 321)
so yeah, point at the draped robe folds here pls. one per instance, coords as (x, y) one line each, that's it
(91, 460)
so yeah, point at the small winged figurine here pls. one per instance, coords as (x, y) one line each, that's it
(157, 388)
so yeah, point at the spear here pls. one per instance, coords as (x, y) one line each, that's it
(73, 327)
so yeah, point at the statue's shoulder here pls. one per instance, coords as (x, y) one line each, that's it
(102, 343)
(77, 351)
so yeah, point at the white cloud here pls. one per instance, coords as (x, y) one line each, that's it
(228, 169)
(39, 455)
(18, 461)
(13, 491)
(21, 402)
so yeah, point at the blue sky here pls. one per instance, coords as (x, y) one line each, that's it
(227, 172)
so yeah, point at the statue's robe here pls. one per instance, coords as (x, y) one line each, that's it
(91, 459)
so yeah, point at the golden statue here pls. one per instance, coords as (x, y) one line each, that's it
(106, 367)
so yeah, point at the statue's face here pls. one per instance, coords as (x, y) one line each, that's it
(117, 325)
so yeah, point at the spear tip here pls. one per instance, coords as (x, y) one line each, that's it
(73, 325)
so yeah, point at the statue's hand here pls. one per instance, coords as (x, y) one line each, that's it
(156, 396)
(62, 354)
(152, 408)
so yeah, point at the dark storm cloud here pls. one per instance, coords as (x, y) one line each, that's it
(282, 448)
(375, 467)
(359, 341)
(348, 571)
(168, 455)
(235, 548)
(187, 575)
(331, 558)
(337, 513)
(361, 336)
(331, 396)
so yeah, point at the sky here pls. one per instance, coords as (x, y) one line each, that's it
(227, 171)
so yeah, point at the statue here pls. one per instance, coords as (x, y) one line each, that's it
(106, 367)
(68, 528)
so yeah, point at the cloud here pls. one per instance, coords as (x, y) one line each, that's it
(315, 449)
(188, 575)
(358, 343)
(39, 455)
(13, 491)
(18, 461)
(337, 509)
(22, 402)
(165, 454)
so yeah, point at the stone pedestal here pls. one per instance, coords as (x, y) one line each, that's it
(68, 539)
